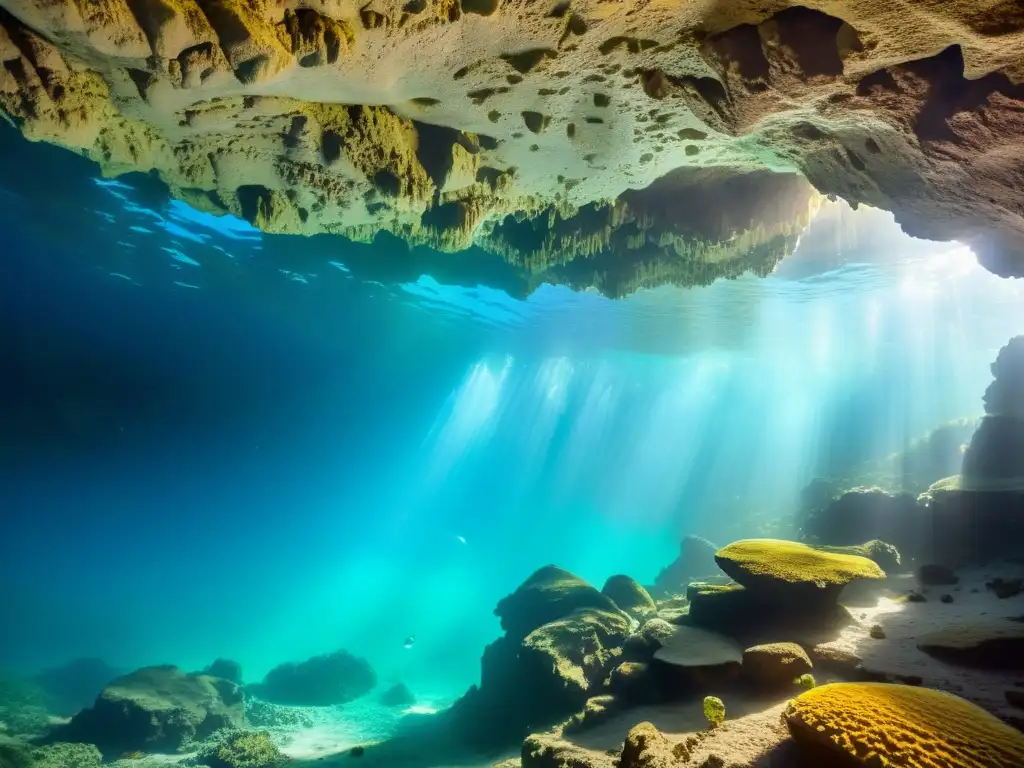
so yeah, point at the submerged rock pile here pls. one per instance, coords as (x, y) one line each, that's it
(613, 148)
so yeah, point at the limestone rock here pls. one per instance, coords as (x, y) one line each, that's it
(775, 665)
(629, 596)
(607, 150)
(899, 725)
(157, 709)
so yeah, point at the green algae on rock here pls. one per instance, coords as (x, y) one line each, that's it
(629, 596)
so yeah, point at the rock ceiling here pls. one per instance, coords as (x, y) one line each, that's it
(608, 143)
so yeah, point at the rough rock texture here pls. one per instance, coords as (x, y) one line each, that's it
(896, 725)
(562, 640)
(615, 146)
(773, 564)
(67, 756)
(630, 596)
(157, 709)
(333, 678)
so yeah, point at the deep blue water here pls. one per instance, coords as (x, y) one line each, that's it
(217, 443)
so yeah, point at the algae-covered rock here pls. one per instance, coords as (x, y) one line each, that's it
(243, 749)
(633, 682)
(647, 747)
(876, 724)
(629, 596)
(774, 564)
(700, 651)
(333, 678)
(156, 709)
(544, 750)
(67, 756)
(23, 707)
(775, 665)
(885, 556)
(14, 753)
(549, 594)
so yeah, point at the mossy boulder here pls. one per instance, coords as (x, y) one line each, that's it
(876, 724)
(775, 665)
(768, 565)
(633, 683)
(885, 556)
(630, 597)
(156, 709)
(243, 749)
(550, 593)
(321, 681)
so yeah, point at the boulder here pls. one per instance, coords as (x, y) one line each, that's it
(398, 695)
(74, 686)
(1004, 395)
(633, 683)
(226, 669)
(971, 527)
(630, 597)
(982, 644)
(550, 751)
(156, 709)
(647, 747)
(775, 665)
(533, 678)
(693, 659)
(789, 570)
(875, 724)
(885, 556)
(696, 560)
(322, 681)
(549, 594)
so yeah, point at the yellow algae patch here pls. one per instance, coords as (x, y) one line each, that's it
(751, 562)
(902, 726)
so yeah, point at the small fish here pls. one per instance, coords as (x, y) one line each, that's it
(460, 539)
(410, 641)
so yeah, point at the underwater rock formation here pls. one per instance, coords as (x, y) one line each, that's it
(981, 644)
(226, 669)
(629, 596)
(157, 709)
(562, 639)
(322, 681)
(398, 695)
(609, 148)
(242, 749)
(994, 460)
(865, 514)
(695, 561)
(23, 707)
(775, 665)
(899, 725)
(781, 586)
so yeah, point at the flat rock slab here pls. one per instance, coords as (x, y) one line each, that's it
(997, 644)
(693, 647)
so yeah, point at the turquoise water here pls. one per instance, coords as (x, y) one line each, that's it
(221, 443)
